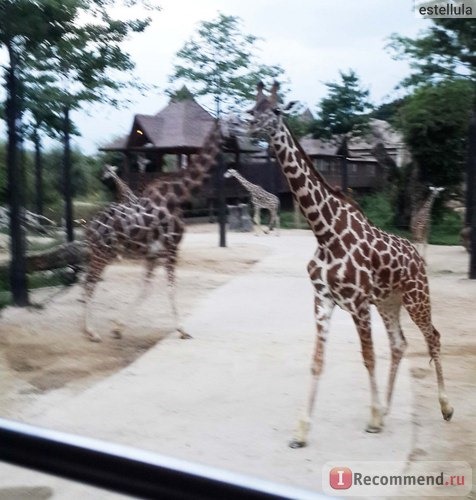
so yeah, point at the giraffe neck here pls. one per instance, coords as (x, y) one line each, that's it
(199, 168)
(247, 184)
(324, 208)
(124, 191)
(426, 208)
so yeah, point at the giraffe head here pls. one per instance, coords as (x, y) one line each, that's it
(230, 173)
(436, 190)
(109, 172)
(142, 163)
(266, 113)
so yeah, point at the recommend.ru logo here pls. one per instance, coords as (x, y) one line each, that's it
(446, 479)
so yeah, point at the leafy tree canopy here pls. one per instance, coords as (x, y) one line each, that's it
(221, 61)
(345, 109)
(434, 121)
(447, 49)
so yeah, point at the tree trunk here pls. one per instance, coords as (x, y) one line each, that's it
(220, 188)
(38, 172)
(18, 280)
(68, 197)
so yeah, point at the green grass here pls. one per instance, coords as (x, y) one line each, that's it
(287, 220)
(446, 230)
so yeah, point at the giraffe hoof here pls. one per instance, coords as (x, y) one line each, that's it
(93, 337)
(373, 429)
(447, 413)
(116, 333)
(184, 335)
(296, 443)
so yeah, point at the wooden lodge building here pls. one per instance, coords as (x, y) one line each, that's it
(168, 139)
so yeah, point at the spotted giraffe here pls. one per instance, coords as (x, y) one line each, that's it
(124, 192)
(355, 265)
(421, 221)
(149, 228)
(259, 199)
(139, 230)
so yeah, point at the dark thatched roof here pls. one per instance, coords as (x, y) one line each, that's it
(181, 126)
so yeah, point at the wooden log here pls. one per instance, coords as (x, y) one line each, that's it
(67, 254)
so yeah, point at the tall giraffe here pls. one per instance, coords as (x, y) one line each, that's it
(259, 199)
(124, 192)
(421, 221)
(150, 227)
(355, 265)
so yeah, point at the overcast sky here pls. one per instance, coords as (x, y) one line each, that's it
(311, 39)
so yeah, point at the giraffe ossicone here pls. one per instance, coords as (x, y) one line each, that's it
(260, 198)
(356, 265)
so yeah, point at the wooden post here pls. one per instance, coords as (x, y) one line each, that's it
(220, 170)
(471, 192)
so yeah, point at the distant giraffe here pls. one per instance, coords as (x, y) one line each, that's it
(260, 198)
(421, 221)
(355, 265)
(124, 192)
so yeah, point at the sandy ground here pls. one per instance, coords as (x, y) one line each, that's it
(45, 362)
(42, 348)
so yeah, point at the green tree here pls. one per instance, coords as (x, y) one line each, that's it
(345, 109)
(221, 61)
(75, 44)
(444, 53)
(434, 121)
(344, 112)
(25, 27)
(447, 49)
(87, 66)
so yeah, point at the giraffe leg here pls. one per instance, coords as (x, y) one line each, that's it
(272, 220)
(144, 291)
(423, 251)
(171, 282)
(362, 322)
(390, 312)
(96, 266)
(419, 311)
(257, 221)
(323, 307)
